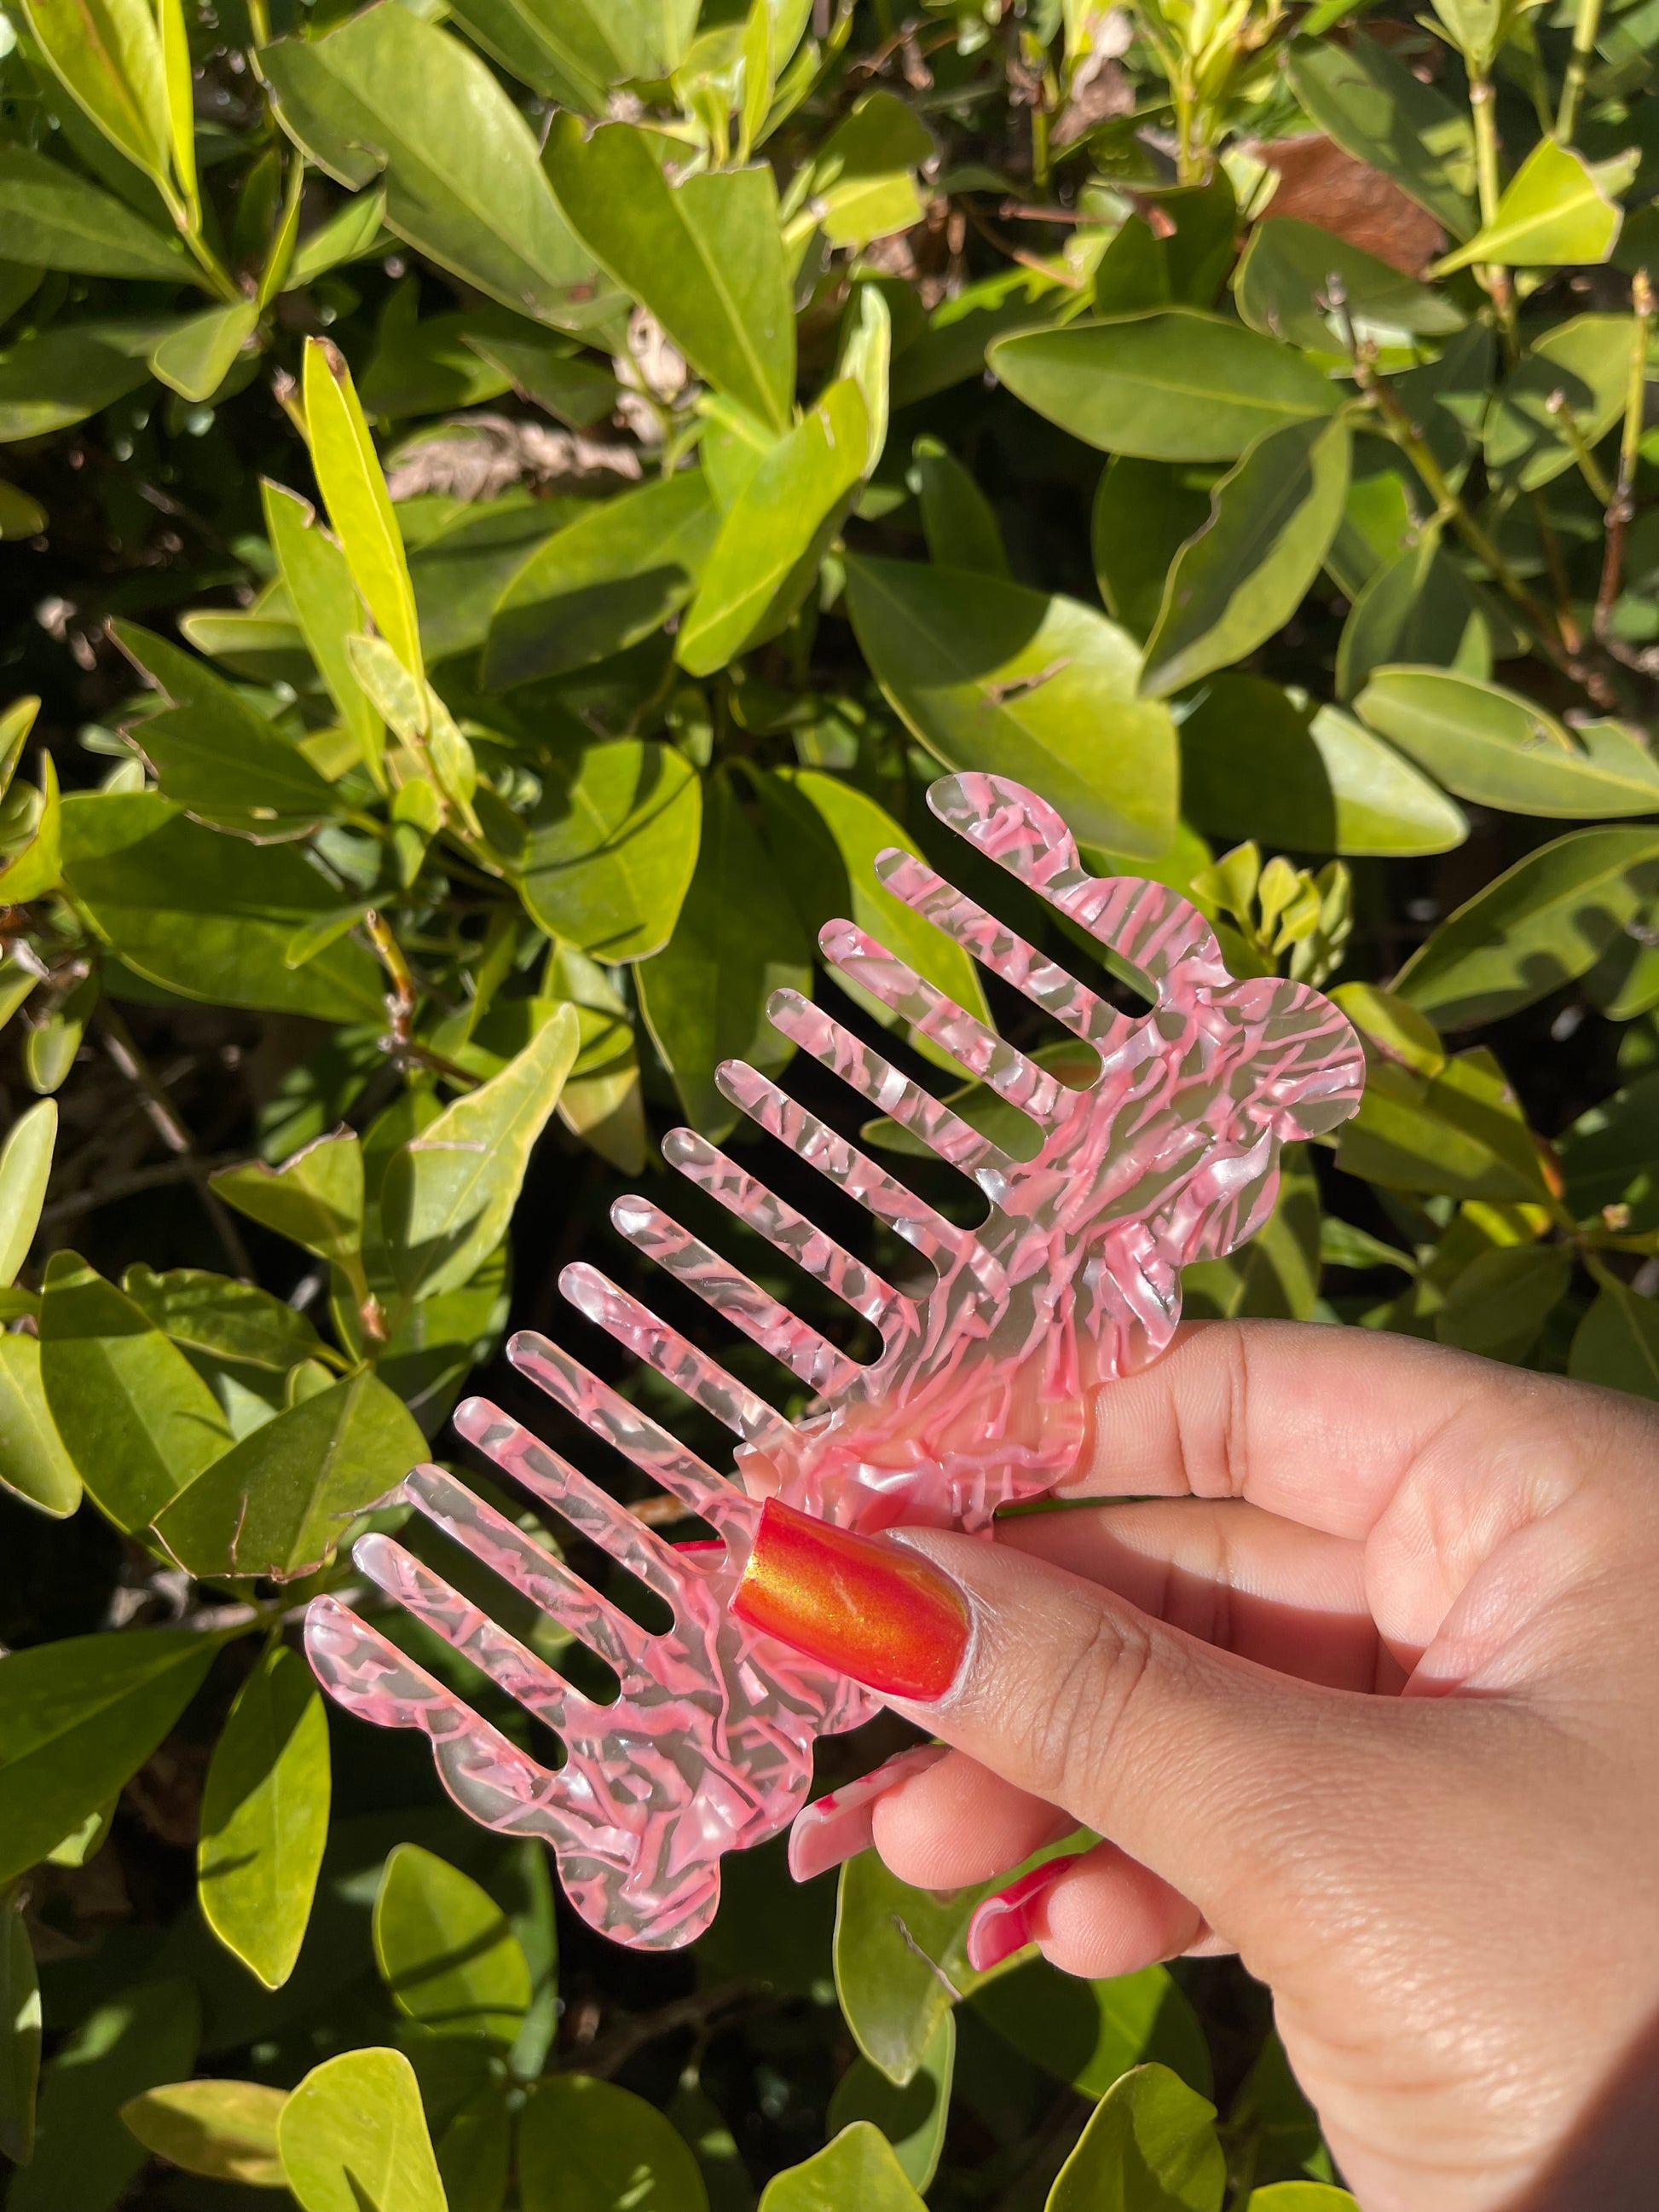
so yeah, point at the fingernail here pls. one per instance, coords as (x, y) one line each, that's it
(841, 1825)
(1004, 1923)
(876, 1610)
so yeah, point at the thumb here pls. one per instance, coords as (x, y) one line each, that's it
(1222, 1777)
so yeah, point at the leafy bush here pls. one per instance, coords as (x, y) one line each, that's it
(495, 583)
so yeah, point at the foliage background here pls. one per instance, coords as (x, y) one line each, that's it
(1231, 419)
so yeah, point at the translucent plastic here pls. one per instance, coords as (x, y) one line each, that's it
(1168, 1155)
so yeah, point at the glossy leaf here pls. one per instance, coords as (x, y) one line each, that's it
(1556, 210)
(574, 50)
(25, 1169)
(474, 2152)
(1418, 607)
(912, 2118)
(960, 525)
(1587, 360)
(1143, 513)
(1545, 922)
(34, 1463)
(38, 866)
(1244, 575)
(899, 1953)
(604, 581)
(264, 1817)
(445, 1952)
(52, 378)
(315, 1197)
(611, 848)
(858, 2167)
(449, 1194)
(223, 1319)
(765, 559)
(1150, 2146)
(107, 56)
(279, 1503)
(224, 2129)
(1283, 288)
(703, 996)
(1498, 1303)
(194, 359)
(1174, 385)
(354, 491)
(388, 93)
(1610, 1156)
(77, 1720)
(58, 220)
(1501, 749)
(1460, 1132)
(318, 580)
(1376, 109)
(1301, 2197)
(704, 255)
(1617, 1342)
(138, 1422)
(1090, 2032)
(863, 178)
(83, 2155)
(352, 2138)
(587, 2145)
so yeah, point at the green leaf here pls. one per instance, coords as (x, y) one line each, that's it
(825, 835)
(353, 2138)
(1150, 2146)
(960, 524)
(1301, 2197)
(223, 1319)
(705, 256)
(1555, 210)
(460, 573)
(587, 2146)
(354, 491)
(52, 378)
(224, 2129)
(278, 1503)
(1143, 513)
(912, 2118)
(1617, 1342)
(866, 356)
(611, 846)
(25, 1170)
(603, 582)
(863, 180)
(106, 54)
(194, 359)
(1610, 1156)
(548, 373)
(737, 941)
(1089, 2033)
(1500, 749)
(474, 2152)
(348, 234)
(209, 917)
(37, 868)
(991, 676)
(1460, 1132)
(20, 2034)
(858, 2167)
(315, 1197)
(58, 219)
(1259, 761)
(137, 1420)
(264, 1817)
(899, 1953)
(389, 93)
(33, 1464)
(222, 760)
(766, 557)
(449, 1193)
(1497, 1304)
(574, 50)
(1369, 101)
(1177, 384)
(318, 581)
(1545, 922)
(77, 1720)
(1585, 359)
(83, 2155)
(1417, 607)
(1244, 575)
(445, 1952)
(1282, 286)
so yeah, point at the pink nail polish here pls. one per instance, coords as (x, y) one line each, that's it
(1005, 1923)
(839, 1825)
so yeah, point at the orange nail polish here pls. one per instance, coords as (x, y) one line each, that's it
(875, 1609)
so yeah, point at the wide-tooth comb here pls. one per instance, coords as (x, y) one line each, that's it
(976, 1398)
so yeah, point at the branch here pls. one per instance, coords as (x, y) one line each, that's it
(122, 1048)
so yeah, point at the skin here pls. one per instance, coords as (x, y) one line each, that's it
(1368, 1692)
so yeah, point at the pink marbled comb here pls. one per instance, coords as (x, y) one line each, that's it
(1168, 1155)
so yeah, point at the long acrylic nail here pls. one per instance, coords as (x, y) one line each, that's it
(841, 1824)
(1004, 1923)
(877, 1610)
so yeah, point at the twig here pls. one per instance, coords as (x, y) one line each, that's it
(123, 1049)
(607, 2052)
(1588, 467)
(402, 1002)
(1622, 506)
(109, 1187)
(1586, 24)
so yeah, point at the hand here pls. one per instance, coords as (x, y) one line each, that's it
(1369, 1691)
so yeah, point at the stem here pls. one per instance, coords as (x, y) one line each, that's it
(1565, 621)
(1494, 281)
(1588, 467)
(1586, 24)
(123, 1049)
(1622, 506)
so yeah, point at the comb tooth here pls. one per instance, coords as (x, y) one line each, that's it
(490, 1537)
(801, 1240)
(651, 1449)
(926, 1007)
(909, 1217)
(526, 1679)
(803, 1350)
(592, 1512)
(1003, 951)
(675, 1358)
(865, 1071)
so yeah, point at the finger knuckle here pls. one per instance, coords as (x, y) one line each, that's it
(1090, 1708)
